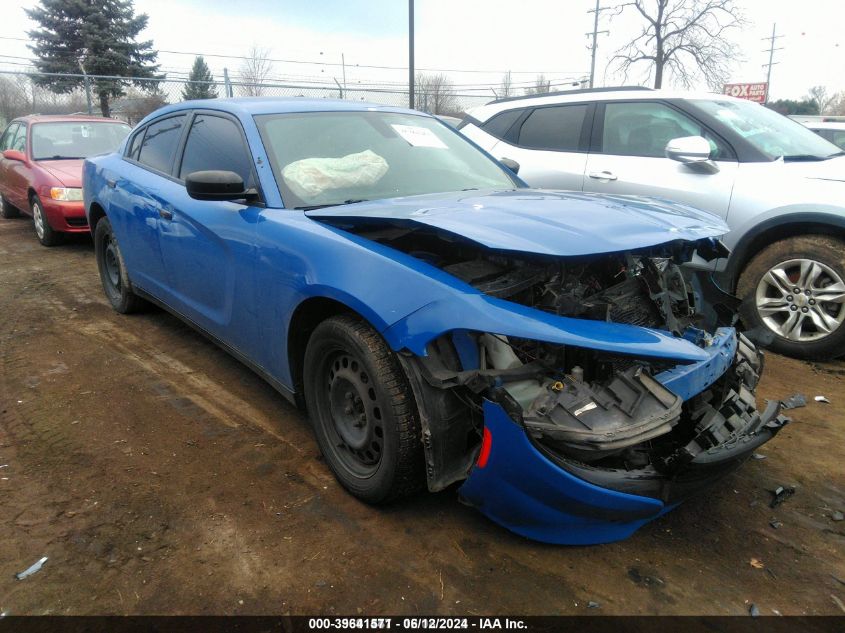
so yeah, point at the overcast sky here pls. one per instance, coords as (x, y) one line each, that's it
(525, 36)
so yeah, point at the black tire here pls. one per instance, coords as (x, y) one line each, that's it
(827, 251)
(352, 378)
(7, 210)
(43, 231)
(112, 269)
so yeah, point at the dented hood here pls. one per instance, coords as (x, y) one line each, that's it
(539, 221)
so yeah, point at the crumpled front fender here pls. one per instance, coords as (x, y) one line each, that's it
(482, 313)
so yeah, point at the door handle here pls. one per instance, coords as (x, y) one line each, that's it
(111, 183)
(165, 214)
(603, 175)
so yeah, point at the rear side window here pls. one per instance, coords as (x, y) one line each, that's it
(215, 143)
(135, 145)
(499, 125)
(554, 128)
(8, 137)
(160, 142)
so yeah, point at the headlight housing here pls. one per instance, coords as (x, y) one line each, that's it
(66, 194)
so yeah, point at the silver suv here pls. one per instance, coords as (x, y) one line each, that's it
(779, 186)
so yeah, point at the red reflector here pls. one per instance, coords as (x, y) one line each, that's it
(486, 443)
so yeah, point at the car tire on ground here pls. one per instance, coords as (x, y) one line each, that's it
(112, 269)
(795, 289)
(363, 411)
(7, 210)
(46, 235)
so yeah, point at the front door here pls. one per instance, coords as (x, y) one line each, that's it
(630, 157)
(207, 246)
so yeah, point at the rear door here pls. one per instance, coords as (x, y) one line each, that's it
(140, 195)
(628, 156)
(551, 145)
(208, 246)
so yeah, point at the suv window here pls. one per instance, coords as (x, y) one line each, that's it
(555, 128)
(216, 143)
(8, 136)
(160, 143)
(644, 129)
(499, 125)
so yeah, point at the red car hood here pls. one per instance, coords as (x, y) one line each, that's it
(68, 172)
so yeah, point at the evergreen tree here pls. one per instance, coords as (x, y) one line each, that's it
(204, 89)
(97, 35)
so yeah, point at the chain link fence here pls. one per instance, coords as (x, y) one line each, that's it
(23, 93)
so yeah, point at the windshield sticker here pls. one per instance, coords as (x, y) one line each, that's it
(419, 136)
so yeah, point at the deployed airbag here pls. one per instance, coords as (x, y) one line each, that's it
(308, 178)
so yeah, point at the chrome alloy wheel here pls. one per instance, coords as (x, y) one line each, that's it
(801, 300)
(38, 220)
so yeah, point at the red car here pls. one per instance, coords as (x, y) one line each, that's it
(41, 169)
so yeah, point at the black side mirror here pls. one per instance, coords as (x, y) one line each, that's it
(217, 185)
(511, 164)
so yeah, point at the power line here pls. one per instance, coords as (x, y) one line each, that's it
(339, 64)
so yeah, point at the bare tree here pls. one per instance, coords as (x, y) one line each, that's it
(687, 39)
(255, 70)
(506, 87)
(541, 86)
(838, 105)
(435, 94)
(820, 96)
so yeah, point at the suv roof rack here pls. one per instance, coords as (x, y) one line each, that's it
(569, 92)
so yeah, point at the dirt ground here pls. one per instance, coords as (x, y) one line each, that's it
(162, 477)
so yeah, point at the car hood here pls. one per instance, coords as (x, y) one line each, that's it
(68, 172)
(831, 169)
(539, 221)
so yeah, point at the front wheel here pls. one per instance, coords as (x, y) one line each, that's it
(795, 288)
(46, 235)
(363, 411)
(112, 269)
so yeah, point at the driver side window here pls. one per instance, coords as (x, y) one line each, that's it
(644, 129)
(8, 137)
(216, 143)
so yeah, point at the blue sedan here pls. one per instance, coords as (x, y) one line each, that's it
(553, 353)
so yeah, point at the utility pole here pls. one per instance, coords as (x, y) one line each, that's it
(411, 54)
(87, 88)
(343, 63)
(227, 85)
(595, 35)
(771, 63)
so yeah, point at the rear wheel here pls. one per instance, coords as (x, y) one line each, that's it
(46, 235)
(112, 269)
(363, 411)
(795, 288)
(7, 210)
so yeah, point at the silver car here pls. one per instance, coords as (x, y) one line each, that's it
(780, 187)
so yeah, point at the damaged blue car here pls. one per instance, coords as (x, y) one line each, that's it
(554, 354)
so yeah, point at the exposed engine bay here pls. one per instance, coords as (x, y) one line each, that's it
(606, 416)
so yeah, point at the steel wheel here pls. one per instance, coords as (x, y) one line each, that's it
(801, 300)
(112, 265)
(357, 430)
(38, 220)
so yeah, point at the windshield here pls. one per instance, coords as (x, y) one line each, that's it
(771, 133)
(75, 139)
(328, 158)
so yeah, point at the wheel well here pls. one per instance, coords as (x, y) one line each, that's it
(95, 214)
(747, 250)
(30, 194)
(307, 316)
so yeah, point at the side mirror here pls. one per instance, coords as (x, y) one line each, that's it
(217, 185)
(688, 149)
(511, 164)
(13, 154)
